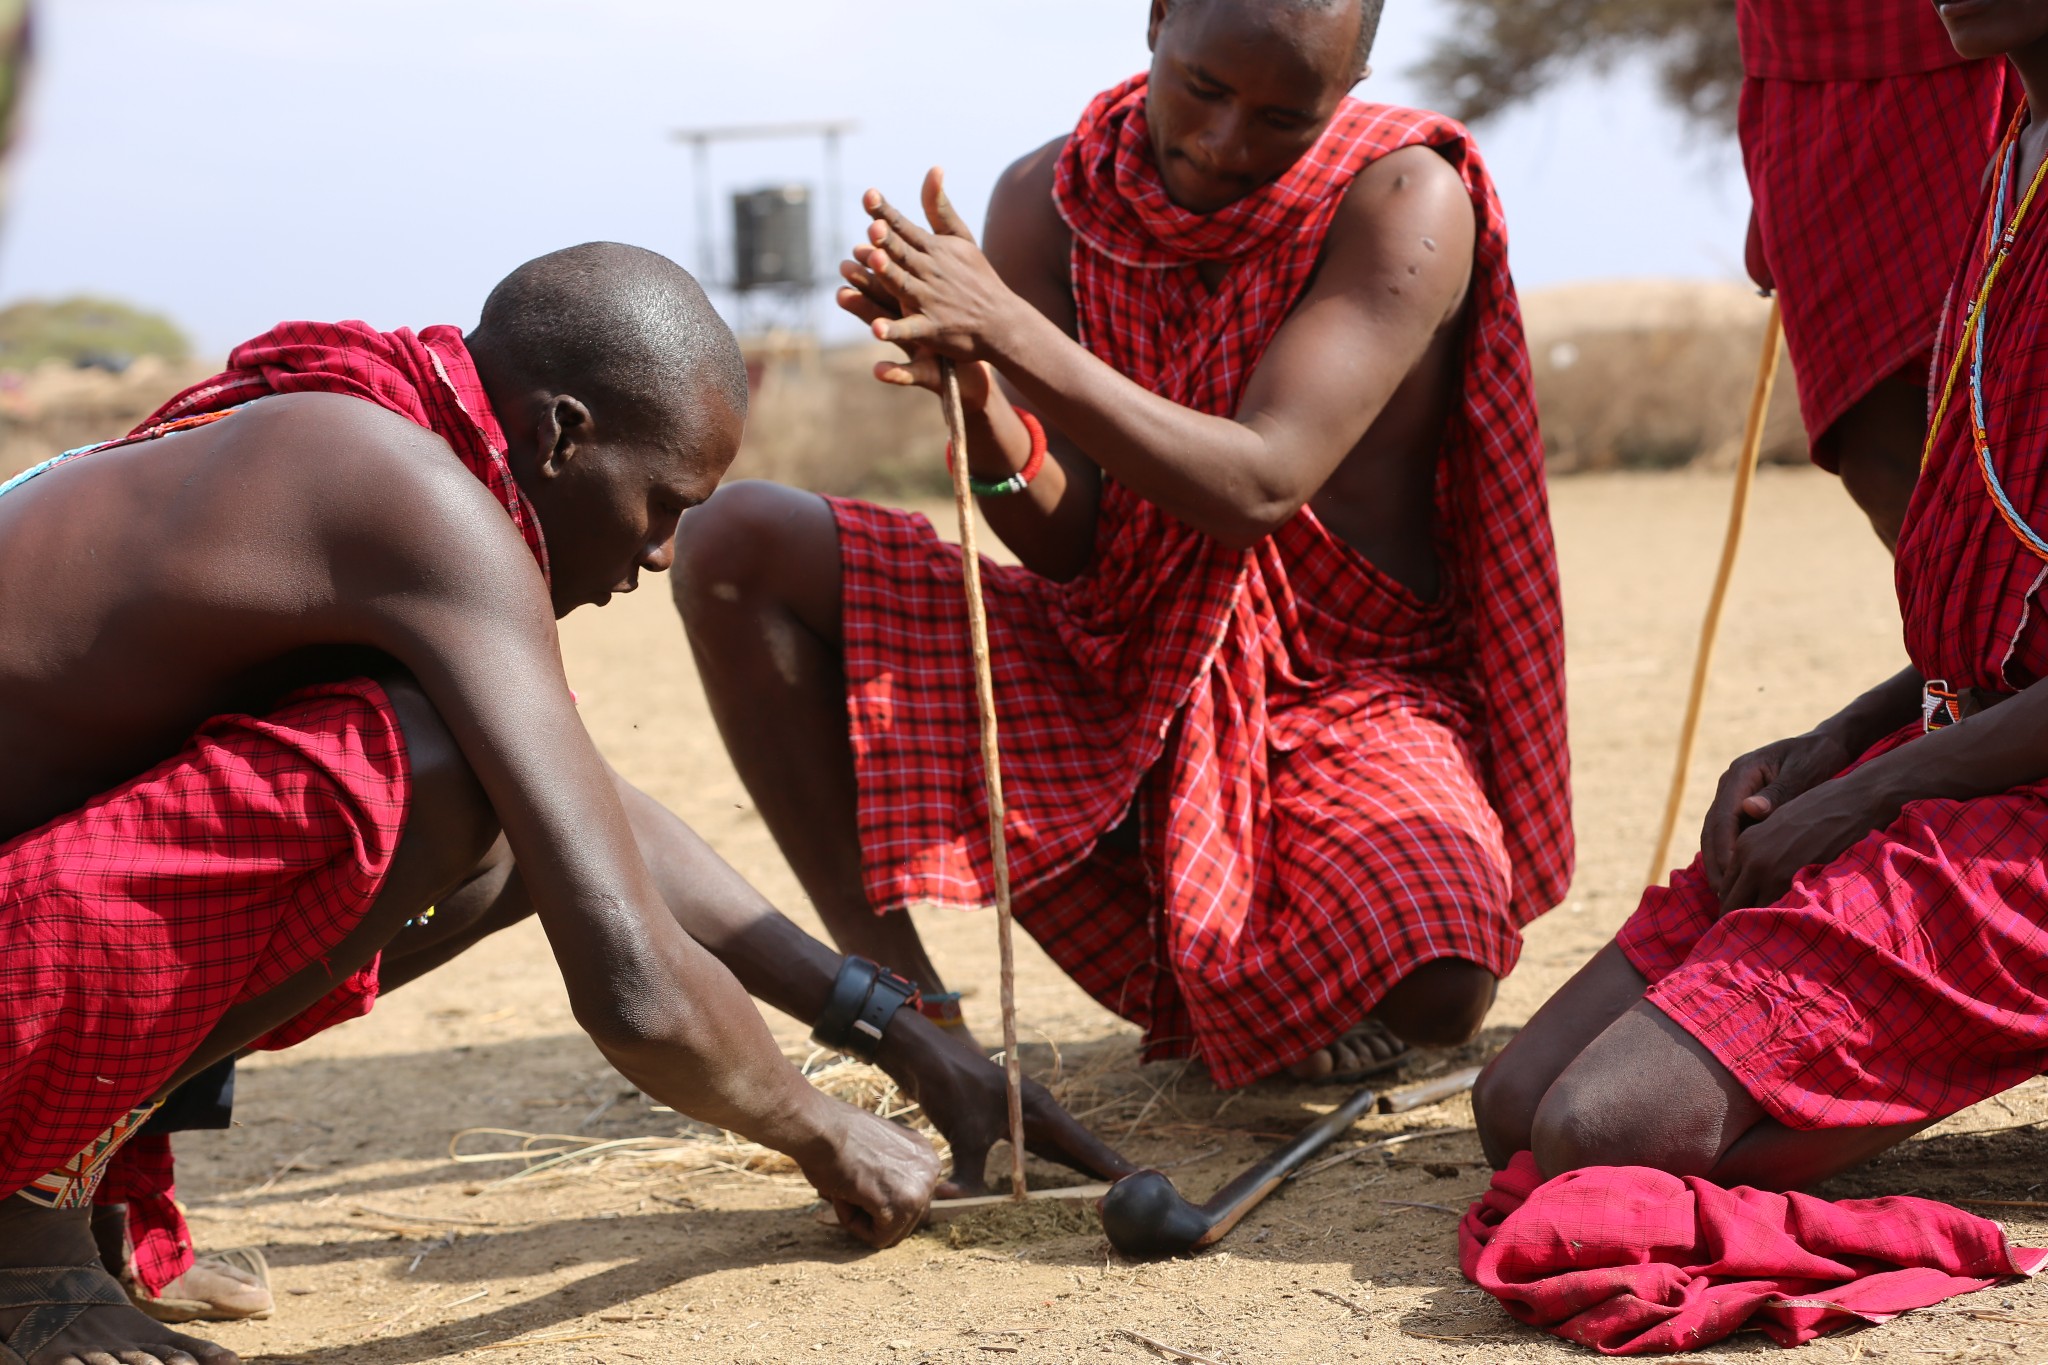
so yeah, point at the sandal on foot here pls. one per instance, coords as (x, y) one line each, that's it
(1370, 1070)
(244, 1260)
(56, 1297)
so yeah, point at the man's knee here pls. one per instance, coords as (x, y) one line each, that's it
(1440, 1003)
(449, 816)
(1643, 1094)
(741, 543)
(1609, 1123)
(1504, 1104)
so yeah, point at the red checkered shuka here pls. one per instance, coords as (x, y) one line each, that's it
(1905, 979)
(129, 926)
(1841, 40)
(1339, 782)
(1902, 161)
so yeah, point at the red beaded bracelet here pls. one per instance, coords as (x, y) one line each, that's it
(1019, 481)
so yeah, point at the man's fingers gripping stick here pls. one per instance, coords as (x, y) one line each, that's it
(985, 698)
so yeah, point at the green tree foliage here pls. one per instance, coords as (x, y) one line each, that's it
(1500, 52)
(85, 330)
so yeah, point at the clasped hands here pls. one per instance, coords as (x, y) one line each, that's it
(1781, 808)
(930, 290)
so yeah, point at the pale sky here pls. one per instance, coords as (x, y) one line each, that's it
(237, 162)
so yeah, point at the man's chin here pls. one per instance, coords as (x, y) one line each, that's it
(1201, 199)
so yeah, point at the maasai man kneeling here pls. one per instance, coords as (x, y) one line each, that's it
(280, 688)
(1279, 677)
(1862, 948)
(1865, 135)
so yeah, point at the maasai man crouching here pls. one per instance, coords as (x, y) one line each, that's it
(1279, 678)
(280, 688)
(1865, 135)
(1862, 948)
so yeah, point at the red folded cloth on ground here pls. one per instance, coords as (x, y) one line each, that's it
(1631, 1261)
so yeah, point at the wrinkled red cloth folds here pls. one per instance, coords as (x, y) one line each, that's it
(1325, 781)
(1631, 1261)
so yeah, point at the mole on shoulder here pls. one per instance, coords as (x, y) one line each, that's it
(1429, 242)
(1401, 181)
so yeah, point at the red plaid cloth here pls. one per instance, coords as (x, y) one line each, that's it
(1902, 981)
(1631, 1261)
(1314, 757)
(141, 1177)
(1906, 158)
(1841, 40)
(130, 925)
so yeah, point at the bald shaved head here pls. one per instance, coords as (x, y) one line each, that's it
(1368, 16)
(627, 326)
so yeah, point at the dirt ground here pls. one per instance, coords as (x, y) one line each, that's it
(385, 1251)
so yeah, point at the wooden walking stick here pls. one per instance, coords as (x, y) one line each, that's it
(991, 763)
(1738, 508)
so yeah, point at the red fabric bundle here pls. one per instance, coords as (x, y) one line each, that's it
(1329, 782)
(1631, 1261)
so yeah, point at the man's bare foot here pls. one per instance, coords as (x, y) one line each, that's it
(1367, 1050)
(966, 1098)
(92, 1320)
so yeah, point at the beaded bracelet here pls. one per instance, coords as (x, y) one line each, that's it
(1019, 481)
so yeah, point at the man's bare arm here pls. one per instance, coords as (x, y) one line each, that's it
(436, 576)
(1393, 276)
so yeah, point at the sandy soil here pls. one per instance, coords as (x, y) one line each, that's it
(386, 1251)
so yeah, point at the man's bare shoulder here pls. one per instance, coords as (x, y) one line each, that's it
(1405, 231)
(362, 470)
(1028, 180)
(1026, 240)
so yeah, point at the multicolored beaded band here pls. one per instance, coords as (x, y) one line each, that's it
(72, 1185)
(942, 1008)
(1019, 481)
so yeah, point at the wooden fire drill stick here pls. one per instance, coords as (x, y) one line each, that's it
(1703, 662)
(991, 763)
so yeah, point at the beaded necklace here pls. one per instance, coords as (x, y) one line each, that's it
(1998, 247)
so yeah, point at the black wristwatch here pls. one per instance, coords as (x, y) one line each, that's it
(865, 997)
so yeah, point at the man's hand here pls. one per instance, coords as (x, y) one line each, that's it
(930, 288)
(877, 1175)
(1755, 787)
(1808, 830)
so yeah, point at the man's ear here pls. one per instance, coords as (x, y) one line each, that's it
(560, 435)
(1159, 8)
